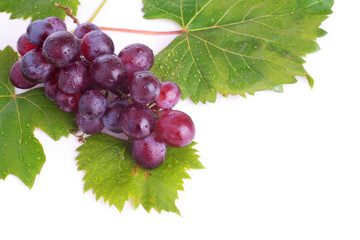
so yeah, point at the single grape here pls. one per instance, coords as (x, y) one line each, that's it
(84, 28)
(138, 121)
(35, 68)
(23, 45)
(67, 102)
(108, 72)
(51, 88)
(112, 117)
(58, 23)
(88, 126)
(38, 31)
(175, 128)
(61, 49)
(74, 78)
(149, 152)
(92, 104)
(169, 96)
(96, 43)
(144, 87)
(137, 57)
(17, 79)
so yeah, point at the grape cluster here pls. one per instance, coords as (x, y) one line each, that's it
(81, 73)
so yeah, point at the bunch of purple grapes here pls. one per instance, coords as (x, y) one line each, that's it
(81, 73)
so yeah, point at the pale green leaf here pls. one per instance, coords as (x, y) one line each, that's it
(237, 46)
(111, 173)
(21, 153)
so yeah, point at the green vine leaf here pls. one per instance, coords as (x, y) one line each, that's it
(21, 153)
(237, 46)
(37, 9)
(111, 173)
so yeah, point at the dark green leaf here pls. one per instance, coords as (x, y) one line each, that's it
(37, 9)
(112, 174)
(237, 46)
(21, 153)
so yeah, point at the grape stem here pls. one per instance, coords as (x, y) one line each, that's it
(69, 13)
(141, 31)
(97, 11)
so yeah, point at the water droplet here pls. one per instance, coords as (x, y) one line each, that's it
(19, 141)
(38, 158)
(4, 172)
(2, 132)
(28, 125)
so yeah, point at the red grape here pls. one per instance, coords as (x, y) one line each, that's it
(17, 79)
(138, 121)
(149, 152)
(175, 128)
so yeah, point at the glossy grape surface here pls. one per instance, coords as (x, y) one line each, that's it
(175, 128)
(169, 96)
(88, 126)
(84, 28)
(137, 57)
(58, 23)
(138, 121)
(17, 79)
(23, 45)
(92, 104)
(144, 87)
(149, 152)
(35, 68)
(51, 88)
(61, 49)
(74, 78)
(112, 117)
(108, 72)
(95, 44)
(38, 30)
(67, 102)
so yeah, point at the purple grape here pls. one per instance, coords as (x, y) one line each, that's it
(58, 23)
(175, 128)
(38, 31)
(74, 78)
(95, 44)
(149, 152)
(23, 45)
(137, 57)
(88, 126)
(51, 88)
(84, 28)
(138, 121)
(112, 117)
(144, 87)
(67, 102)
(17, 79)
(169, 96)
(61, 49)
(35, 68)
(92, 104)
(108, 72)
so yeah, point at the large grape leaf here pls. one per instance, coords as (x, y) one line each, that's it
(21, 153)
(37, 9)
(111, 173)
(237, 46)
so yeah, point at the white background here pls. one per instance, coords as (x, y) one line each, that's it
(278, 166)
